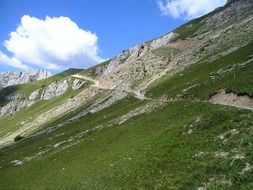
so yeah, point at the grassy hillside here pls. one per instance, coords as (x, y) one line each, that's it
(11, 123)
(173, 139)
(186, 144)
(177, 147)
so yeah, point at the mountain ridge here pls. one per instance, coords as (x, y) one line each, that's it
(14, 78)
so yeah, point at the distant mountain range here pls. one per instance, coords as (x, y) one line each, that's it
(14, 78)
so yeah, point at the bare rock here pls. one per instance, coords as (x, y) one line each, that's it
(54, 90)
(77, 84)
(14, 78)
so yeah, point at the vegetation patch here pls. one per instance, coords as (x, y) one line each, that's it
(149, 151)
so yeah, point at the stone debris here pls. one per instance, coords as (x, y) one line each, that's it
(232, 99)
(17, 162)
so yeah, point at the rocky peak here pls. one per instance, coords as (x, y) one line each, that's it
(14, 78)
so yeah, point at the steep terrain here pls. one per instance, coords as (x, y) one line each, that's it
(14, 78)
(171, 113)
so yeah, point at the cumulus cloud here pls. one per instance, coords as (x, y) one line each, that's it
(12, 62)
(53, 43)
(188, 9)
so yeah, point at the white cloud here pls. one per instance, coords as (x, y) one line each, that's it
(53, 43)
(12, 62)
(188, 9)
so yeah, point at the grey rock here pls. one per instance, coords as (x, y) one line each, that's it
(77, 84)
(54, 90)
(34, 95)
(117, 61)
(233, 12)
(138, 51)
(14, 106)
(14, 78)
(19, 101)
(163, 41)
(15, 97)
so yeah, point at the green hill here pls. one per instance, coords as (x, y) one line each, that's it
(156, 121)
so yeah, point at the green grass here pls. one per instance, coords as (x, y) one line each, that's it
(189, 29)
(203, 79)
(179, 146)
(92, 70)
(11, 123)
(151, 151)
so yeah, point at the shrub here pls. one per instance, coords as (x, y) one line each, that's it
(18, 138)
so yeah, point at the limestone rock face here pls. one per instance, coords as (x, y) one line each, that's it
(34, 95)
(14, 97)
(14, 78)
(234, 12)
(164, 40)
(21, 101)
(117, 61)
(14, 106)
(77, 84)
(134, 53)
(54, 90)
(16, 102)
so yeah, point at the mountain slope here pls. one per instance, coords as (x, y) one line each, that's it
(150, 118)
(14, 78)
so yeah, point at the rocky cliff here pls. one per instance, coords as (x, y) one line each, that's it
(15, 102)
(14, 78)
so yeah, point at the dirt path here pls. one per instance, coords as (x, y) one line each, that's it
(84, 77)
(138, 94)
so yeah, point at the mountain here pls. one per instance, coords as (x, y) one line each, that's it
(171, 113)
(17, 97)
(14, 78)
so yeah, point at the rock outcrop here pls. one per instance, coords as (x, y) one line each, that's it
(14, 78)
(55, 89)
(77, 84)
(16, 102)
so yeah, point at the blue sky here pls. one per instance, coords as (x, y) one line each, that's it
(94, 29)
